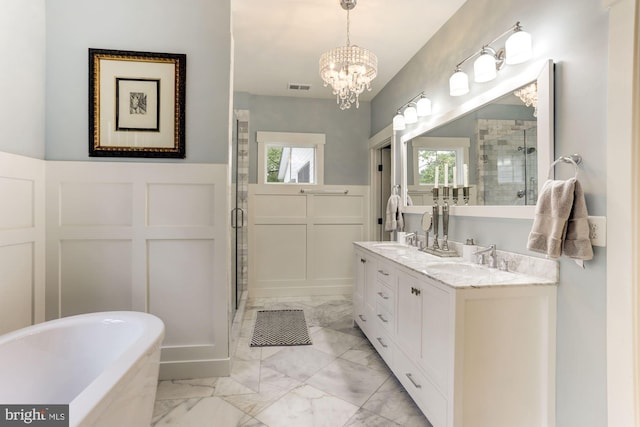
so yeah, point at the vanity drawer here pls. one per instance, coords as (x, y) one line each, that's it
(382, 343)
(385, 273)
(384, 318)
(385, 296)
(423, 392)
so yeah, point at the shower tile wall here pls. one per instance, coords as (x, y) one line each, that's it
(507, 162)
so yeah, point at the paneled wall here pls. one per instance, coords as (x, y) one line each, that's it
(146, 237)
(301, 243)
(21, 242)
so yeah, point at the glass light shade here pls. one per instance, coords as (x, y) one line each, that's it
(484, 68)
(518, 48)
(459, 84)
(398, 122)
(423, 107)
(410, 115)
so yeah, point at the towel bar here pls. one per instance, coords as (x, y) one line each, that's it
(302, 190)
(574, 159)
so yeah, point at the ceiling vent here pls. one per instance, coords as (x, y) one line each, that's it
(300, 87)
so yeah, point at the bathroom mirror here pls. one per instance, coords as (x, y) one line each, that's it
(507, 146)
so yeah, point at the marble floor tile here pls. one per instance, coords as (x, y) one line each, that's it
(392, 401)
(364, 418)
(350, 381)
(184, 389)
(307, 406)
(334, 342)
(338, 381)
(209, 411)
(254, 403)
(299, 362)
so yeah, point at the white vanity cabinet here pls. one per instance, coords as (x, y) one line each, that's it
(468, 356)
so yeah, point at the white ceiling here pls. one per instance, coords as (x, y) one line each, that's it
(278, 42)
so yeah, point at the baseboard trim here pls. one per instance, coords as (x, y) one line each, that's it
(178, 370)
(307, 291)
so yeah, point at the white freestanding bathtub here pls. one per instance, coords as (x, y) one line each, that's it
(104, 365)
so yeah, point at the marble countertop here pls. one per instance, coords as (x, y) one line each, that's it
(457, 273)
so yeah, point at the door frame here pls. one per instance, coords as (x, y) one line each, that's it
(376, 142)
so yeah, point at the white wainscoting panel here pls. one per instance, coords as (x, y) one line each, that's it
(96, 204)
(183, 285)
(148, 237)
(281, 254)
(95, 276)
(22, 242)
(301, 243)
(16, 304)
(198, 200)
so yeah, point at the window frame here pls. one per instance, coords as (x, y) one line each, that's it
(292, 140)
(437, 143)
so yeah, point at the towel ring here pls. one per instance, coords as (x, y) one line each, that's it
(574, 159)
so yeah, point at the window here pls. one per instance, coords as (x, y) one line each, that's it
(290, 158)
(429, 152)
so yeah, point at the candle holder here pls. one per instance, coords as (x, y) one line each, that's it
(465, 195)
(445, 219)
(455, 196)
(436, 218)
(435, 247)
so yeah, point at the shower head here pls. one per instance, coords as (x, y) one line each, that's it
(529, 150)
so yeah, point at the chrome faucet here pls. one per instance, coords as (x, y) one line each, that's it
(411, 239)
(492, 261)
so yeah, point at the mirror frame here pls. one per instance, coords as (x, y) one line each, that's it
(542, 73)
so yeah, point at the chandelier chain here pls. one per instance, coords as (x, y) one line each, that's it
(348, 23)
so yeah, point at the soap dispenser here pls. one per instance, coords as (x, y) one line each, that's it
(468, 250)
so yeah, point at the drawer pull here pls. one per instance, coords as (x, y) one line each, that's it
(362, 317)
(382, 342)
(384, 273)
(415, 384)
(415, 291)
(383, 295)
(382, 318)
(362, 260)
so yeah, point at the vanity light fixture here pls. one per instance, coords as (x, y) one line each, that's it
(489, 60)
(399, 122)
(412, 110)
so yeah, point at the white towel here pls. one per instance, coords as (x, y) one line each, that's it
(393, 218)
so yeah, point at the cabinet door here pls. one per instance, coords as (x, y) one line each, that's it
(360, 268)
(437, 333)
(409, 315)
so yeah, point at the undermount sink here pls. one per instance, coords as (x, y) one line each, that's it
(460, 269)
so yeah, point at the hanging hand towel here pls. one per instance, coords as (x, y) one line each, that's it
(394, 220)
(577, 244)
(552, 212)
(560, 221)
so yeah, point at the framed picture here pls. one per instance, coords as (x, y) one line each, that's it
(136, 104)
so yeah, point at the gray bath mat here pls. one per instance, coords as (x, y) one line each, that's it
(280, 327)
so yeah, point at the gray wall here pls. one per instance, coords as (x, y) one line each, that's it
(346, 154)
(574, 34)
(201, 29)
(22, 77)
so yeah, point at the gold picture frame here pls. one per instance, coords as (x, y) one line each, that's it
(136, 104)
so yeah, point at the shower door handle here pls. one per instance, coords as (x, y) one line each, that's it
(234, 218)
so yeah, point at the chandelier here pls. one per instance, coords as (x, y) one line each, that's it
(529, 95)
(348, 69)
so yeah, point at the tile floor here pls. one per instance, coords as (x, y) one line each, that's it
(338, 381)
